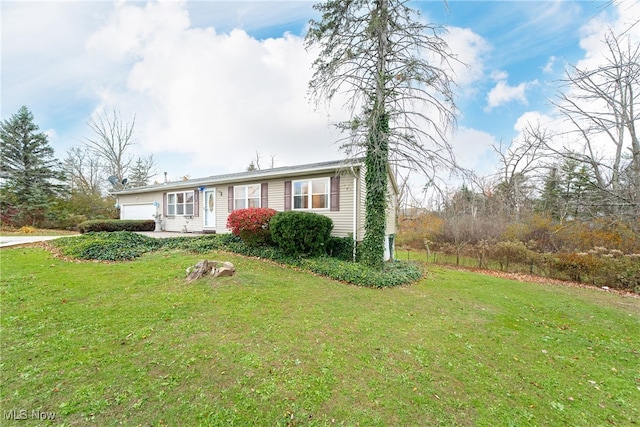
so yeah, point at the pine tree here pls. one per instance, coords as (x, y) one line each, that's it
(142, 171)
(30, 175)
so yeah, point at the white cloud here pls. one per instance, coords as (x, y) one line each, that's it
(497, 75)
(502, 94)
(470, 50)
(217, 98)
(548, 68)
(473, 149)
(625, 21)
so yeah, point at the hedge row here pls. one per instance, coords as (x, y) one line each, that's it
(98, 225)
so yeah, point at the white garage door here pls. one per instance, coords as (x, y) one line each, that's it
(137, 211)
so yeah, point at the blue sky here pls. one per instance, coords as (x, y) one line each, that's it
(212, 84)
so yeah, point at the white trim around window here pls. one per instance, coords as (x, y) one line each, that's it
(311, 194)
(180, 203)
(246, 196)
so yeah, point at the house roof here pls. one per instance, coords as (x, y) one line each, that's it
(285, 171)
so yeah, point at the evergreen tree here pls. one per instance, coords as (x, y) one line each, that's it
(142, 171)
(30, 175)
(550, 201)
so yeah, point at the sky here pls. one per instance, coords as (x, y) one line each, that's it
(213, 85)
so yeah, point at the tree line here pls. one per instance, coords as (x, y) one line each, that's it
(37, 189)
(567, 192)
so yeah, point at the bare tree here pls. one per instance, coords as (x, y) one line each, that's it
(520, 165)
(394, 70)
(112, 142)
(255, 164)
(601, 105)
(83, 169)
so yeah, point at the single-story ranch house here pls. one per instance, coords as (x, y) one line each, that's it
(335, 189)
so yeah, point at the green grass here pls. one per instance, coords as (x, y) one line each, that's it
(131, 343)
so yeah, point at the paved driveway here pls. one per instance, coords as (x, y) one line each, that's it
(21, 240)
(6, 241)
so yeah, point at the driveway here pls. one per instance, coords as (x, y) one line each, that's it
(23, 240)
(6, 241)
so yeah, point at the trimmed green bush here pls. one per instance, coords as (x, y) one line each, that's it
(340, 248)
(98, 225)
(301, 233)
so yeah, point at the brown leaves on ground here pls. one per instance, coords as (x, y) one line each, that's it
(521, 277)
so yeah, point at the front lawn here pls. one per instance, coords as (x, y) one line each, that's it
(131, 343)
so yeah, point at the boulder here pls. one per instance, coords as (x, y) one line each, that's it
(223, 272)
(214, 268)
(199, 270)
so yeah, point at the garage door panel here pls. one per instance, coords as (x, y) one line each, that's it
(137, 211)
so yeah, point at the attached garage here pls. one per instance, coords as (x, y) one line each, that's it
(138, 211)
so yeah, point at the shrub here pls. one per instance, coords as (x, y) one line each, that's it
(601, 267)
(628, 275)
(340, 247)
(510, 252)
(301, 233)
(251, 225)
(27, 229)
(98, 225)
(581, 266)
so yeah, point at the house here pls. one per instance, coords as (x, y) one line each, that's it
(335, 189)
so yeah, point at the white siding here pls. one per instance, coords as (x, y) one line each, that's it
(352, 204)
(361, 203)
(342, 219)
(392, 203)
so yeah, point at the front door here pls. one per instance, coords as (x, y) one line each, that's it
(210, 208)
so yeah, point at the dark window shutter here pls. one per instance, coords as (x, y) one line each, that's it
(287, 195)
(264, 195)
(230, 198)
(196, 202)
(335, 193)
(164, 204)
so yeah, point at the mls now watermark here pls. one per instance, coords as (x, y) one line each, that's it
(23, 414)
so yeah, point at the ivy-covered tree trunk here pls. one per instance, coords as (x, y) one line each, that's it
(394, 70)
(376, 161)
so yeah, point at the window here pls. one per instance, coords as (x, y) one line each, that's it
(246, 196)
(311, 194)
(180, 203)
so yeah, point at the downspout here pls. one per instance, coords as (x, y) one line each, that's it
(355, 214)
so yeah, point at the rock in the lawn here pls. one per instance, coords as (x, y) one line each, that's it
(223, 272)
(214, 268)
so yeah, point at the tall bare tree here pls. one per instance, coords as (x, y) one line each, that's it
(522, 165)
(394, 70)
(602, 106)
(83, 170)
(112, 142)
